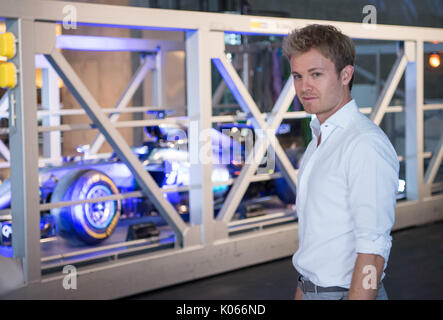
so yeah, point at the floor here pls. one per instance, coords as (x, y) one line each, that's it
(415, 271)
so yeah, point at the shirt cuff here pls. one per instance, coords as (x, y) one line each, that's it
(376, 244)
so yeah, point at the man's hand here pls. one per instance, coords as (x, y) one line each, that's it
(298, 294)
(366, 277)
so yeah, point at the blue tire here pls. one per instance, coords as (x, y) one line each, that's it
(90, 222)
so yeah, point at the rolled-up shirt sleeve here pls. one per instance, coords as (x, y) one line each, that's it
(372, 172)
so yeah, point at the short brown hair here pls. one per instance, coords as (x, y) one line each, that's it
(327, 39)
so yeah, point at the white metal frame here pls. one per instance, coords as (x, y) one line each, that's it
(203, 247)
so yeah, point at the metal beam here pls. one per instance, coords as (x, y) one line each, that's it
(94, 43)
(434, 165)
(388, 89)
(4, 151)
(159, 79)
(391, 48)
(368, 75)
(181, 20)
(218, 93)
(167, 267)
(199, 260)
(199, 98)
(25, 198)
(51, 101)
(114, 138)
(414, 133)
(248, 105)
(284, 100)
(125, 98)
(269, 127)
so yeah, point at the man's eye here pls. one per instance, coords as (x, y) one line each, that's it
(297, 76)
(316, 74)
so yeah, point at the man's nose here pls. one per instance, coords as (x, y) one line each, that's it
(304, 85)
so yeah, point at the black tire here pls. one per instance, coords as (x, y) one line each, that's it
(90, 222)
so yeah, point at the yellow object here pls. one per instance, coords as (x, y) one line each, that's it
(38, 78)
(434, 60)
(255, 24)
(58, 29)
(7, 45)
(8, 77)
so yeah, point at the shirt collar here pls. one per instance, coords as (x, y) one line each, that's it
(341, 118)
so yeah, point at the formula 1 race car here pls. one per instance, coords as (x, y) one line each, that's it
(78, 179)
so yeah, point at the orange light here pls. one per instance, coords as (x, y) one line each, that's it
(39, 80)
(434, 60)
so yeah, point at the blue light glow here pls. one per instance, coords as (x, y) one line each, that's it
(140, 150)
(5, 194)
(121, 26)
(284, 128)
(6, 251)
(232, 38)
(150, 136)
(82, 148)
(220, 188)
(259, 34)
(94, 43)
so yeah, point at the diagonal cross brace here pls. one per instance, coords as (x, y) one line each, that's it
(4, 103)
(247, 104)
(4, 151)
(114, 138)
(434, 165)
(137, 79)
(269, 126)
(389, 88)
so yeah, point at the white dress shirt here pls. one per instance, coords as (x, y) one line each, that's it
(346, 197)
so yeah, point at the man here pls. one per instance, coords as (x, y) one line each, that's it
(348, 177)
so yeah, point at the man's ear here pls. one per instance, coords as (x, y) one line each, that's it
(346, 74)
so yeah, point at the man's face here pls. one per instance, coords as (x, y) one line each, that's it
(320, 89)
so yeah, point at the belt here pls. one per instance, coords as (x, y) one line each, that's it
(308, 286)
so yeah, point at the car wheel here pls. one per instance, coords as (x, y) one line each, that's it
(91, 222)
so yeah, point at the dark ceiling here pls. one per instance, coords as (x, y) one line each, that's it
(426, 13)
